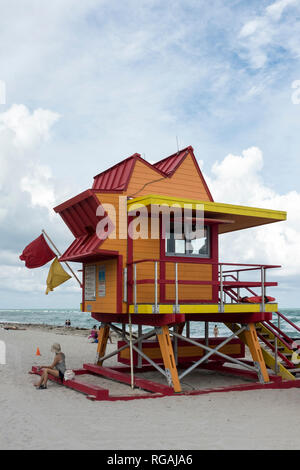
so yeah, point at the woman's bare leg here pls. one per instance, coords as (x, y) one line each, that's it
(53, 372)
(44, 377)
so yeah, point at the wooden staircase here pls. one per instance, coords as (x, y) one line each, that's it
(268, 334)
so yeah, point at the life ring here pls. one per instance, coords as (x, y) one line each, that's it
(256, 299)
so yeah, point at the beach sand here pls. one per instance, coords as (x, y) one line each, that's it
(60, 418)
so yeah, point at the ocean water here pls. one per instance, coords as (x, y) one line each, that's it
(80, 319)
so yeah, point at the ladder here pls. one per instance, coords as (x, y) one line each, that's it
(277, 348)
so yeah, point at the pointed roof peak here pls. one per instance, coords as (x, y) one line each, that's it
(169, 164)
(118, 176)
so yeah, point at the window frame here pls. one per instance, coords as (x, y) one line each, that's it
(191, 255)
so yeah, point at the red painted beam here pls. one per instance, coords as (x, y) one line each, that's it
(244, 387)
(275, 384)
(99, 392)
(125, 378)
(141, 319)
(229, 317)
(89, 389)
(174, 318)
(217, 366)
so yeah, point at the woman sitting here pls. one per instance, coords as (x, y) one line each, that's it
(57, 368)
(94, 334)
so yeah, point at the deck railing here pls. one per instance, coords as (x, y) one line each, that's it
(228, 283)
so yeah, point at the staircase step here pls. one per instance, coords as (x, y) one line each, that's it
(294, 371)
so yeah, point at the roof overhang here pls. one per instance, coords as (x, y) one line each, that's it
(239, 217)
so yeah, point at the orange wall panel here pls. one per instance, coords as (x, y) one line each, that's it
(146, 249)
(185, 182)
(186, 272)
(108, 303)
(119, 243)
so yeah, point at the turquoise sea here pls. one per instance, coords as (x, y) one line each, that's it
(83, 320)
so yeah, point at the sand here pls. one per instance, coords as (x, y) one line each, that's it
(60, 418)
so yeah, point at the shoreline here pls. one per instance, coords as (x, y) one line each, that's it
(56, 329)
(42, 326)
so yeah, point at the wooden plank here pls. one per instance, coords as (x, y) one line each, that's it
(167, 353)
(98, 392)
(88, 389)
(125, 378)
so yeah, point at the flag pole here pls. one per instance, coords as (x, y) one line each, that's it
(59, 254)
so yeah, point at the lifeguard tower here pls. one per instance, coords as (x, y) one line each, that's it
(134, 274)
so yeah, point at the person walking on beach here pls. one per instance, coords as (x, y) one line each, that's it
(216, 331)
(57, 368)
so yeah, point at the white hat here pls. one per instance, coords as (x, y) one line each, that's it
(55, 348)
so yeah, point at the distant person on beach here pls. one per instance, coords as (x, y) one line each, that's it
(109, 336)
(94, 334)
(68, 323)
(57, 368)
(216, 331)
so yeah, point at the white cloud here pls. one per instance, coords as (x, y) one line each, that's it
(276, 9)
(28, 189)
(28, 129)
(40, 187)
(28, 195)
(22, 134)
(261, 36)
(242, 179)
(251, 27)
(21, 279)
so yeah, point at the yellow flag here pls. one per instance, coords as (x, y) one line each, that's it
(56, 276)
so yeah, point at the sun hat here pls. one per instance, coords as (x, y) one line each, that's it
(55, 348)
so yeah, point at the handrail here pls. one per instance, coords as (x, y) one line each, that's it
(236, 279)
(270, 345)
(288, 321)
(250, 269)
(255, 266)
(284, 337)
(221, 282)
(205, 283)
(271, 328)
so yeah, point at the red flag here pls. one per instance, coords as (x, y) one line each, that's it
(37, 253)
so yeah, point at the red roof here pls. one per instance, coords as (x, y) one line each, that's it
(86, 245)
(117, 177)
(169, 165)
(80, 215)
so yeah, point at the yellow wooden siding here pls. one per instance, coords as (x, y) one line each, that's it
(146, 249)
(185, 351)
(185, 182)
(186, 272)
(115, 244)
(107, 304)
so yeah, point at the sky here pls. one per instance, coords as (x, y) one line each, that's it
(86, 84)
